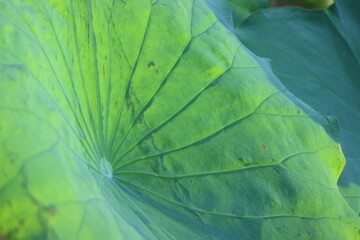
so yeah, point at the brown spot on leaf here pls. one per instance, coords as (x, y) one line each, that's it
(51, 210)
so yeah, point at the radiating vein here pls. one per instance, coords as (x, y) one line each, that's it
(37, 42)
(197, 141)
(126, 89)
(224, 214)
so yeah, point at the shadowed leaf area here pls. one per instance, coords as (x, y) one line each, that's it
(317, 56)
(141, 119)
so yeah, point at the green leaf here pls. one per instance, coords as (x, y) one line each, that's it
(138, 119)
(316, 54)
(242, 9)
(309, 3)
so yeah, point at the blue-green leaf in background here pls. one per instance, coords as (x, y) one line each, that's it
(316, 54)
(139, 119)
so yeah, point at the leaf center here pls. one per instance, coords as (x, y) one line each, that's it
(106, 168)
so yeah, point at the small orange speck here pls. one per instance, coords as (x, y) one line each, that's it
(51, 210)
(263, 146)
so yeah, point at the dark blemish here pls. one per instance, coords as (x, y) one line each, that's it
(151, 64)
(263, 146)
(298, 235)
(22, 222)
(298, 111)
(281, 227)
(157, 71)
